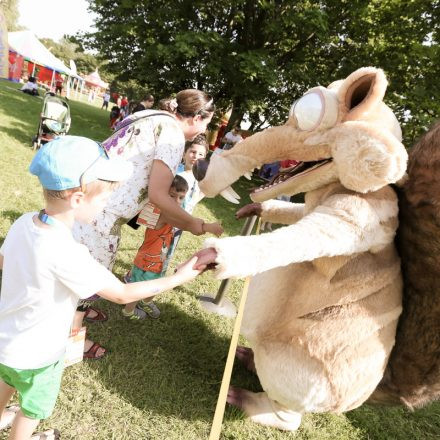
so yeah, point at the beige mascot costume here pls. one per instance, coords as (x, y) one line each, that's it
(325, 298)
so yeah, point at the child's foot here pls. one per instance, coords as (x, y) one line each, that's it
(8, 416)
(149, 308)
(95, 315)
(136, 315)
(92, 350)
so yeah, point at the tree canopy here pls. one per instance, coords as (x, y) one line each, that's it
(10, 11)
(68, 49)
(258, 56)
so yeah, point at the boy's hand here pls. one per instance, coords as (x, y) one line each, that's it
(187, 272)
(213, 228)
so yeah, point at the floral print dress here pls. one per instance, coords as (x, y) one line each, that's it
(140, 138)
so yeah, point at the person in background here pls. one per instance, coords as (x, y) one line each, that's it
(231, 138)
(105, 100)
(59, 85)
(115, 116)
(194, 150)
(146, 103)
(31, 87)
(124, 105)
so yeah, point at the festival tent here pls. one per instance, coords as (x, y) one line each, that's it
(94, 80)
(26, 44)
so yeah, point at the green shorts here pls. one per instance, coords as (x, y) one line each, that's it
(142, 275)
(37, 389)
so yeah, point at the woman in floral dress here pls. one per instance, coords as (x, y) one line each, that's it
(154, 142)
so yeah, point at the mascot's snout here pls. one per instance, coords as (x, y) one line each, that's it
(200, 168)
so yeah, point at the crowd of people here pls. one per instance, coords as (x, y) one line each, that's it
(55, 261)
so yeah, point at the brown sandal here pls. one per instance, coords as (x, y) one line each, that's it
(100, 315)
(91, 352)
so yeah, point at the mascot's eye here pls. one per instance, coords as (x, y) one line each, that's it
(316, 109)
(308, 111)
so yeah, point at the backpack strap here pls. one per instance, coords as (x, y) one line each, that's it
(142, 117)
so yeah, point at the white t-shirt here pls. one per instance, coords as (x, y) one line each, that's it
(232, 138)
(30, 86)
(45, 272)
(194, 195)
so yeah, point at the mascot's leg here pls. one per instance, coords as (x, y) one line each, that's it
(263, 410)
(246, 356)
(294, 384)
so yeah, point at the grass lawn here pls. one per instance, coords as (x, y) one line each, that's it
(161, 378)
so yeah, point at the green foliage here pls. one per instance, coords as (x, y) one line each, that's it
(10, 11)
(259, 56)
(67, 50)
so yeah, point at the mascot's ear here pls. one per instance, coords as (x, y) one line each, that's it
(367, 158)
(361, 93)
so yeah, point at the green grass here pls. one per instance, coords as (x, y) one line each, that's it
(161, 378)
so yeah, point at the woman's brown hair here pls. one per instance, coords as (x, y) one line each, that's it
(189, 103)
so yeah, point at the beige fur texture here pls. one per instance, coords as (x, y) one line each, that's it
(324, 302)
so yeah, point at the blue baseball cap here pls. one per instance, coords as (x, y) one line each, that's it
(71, 161)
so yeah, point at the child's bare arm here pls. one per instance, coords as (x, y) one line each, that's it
(213, 228)
(126, 293)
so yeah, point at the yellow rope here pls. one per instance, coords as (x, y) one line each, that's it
(223, 394)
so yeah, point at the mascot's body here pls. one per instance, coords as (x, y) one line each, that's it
(325, 299)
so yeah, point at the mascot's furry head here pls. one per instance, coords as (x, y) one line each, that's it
(344, 132)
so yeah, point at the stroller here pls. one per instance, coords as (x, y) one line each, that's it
(54, 120)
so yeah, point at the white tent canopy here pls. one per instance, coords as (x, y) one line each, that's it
(27, 45)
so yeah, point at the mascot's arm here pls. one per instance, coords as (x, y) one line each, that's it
(285, 213)
(341, 225)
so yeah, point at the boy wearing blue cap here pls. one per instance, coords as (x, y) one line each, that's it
(46, 272)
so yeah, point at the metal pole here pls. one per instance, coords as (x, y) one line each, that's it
(220, 304)
(52, 81)
(246, 230)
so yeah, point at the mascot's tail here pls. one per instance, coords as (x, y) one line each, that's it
(412, 377)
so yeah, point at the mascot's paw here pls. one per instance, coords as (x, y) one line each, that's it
(260, 409)
(249, 210)
(246, 356)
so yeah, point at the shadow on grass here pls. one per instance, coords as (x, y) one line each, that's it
(24, 110)
(397, 423)
(170, 366)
